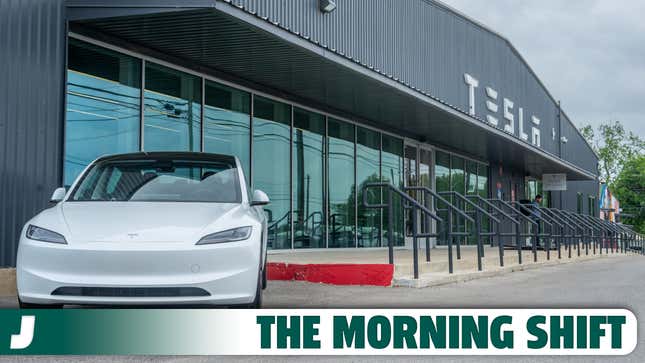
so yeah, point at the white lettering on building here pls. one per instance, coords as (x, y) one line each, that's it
(472, 84)
(492, 106)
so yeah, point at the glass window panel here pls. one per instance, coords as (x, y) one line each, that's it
(392, 172)
(103, 105)
(368, 156)
(482, 181)
(342, 198)
(442, 182)
(471, 177)
(172, 110)
(226, 123)
(442, 171)
(458, 184)
(308, 179)
(271, 153)
(471, 188)
(425, 170)
(457, 181)
(482, 190)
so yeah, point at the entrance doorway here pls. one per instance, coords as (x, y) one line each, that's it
(418, 172)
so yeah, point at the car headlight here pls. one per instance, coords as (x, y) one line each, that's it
(44, 235)
(230, 235)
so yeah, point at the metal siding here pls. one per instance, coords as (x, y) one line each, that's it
(32, 39)
(429, 47)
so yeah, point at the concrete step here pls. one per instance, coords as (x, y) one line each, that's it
(437, 278)
(468, 261)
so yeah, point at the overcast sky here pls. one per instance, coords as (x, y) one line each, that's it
(590, 54)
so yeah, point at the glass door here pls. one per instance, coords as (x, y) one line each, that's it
(418, 172)
(425, 180)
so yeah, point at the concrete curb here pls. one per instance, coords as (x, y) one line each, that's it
(438, 279)
(8, 282)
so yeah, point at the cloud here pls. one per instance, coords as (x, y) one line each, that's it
(590, 54)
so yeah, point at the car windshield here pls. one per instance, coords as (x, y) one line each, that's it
(163, 180)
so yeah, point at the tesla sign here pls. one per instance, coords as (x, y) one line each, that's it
(496, 105)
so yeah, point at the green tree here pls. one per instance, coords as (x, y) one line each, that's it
(629, 188)
(615, 146)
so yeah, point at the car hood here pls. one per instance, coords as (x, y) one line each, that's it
(142, 221)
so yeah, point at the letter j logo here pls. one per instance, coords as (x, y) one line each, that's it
(26, 335)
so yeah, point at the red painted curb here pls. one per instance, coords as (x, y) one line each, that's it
(334, 274)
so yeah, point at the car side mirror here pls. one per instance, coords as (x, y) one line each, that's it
(58, 195)
(260, 198)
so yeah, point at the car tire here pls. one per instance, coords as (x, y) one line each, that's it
(257, 302)
(25, 305)
(264, 277)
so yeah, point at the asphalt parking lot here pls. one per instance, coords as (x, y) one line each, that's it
(602, 283)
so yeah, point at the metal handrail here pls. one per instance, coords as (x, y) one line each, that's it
(556, 237)
(518, 234)
(465, 200)
(499, 233)
(478, 211)
(477, 220)
(563, 236)
(411, 203)
(499, 210)
(599, 227)
(534, 215)
(575, 228)
(588, 225)
(536, 235)
(447, 226)
(517, 212)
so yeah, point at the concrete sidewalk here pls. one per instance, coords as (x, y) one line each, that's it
(435, 272)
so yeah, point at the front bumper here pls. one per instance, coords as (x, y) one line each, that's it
(228, 272)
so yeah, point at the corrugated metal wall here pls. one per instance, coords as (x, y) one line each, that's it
(429, 47)
(32, 62)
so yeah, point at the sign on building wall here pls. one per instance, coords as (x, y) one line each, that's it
(554, 182)
(504, 114)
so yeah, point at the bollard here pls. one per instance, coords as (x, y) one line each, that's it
(480, 246)
(449, 239)
(536, 241)
(517, 242)
(499, 245)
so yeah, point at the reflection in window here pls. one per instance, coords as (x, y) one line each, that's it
(392, 172)
(442, 171)
(457, 181)
(482, 190)
(102, 106)
(368, 145)
(442, 182)
(471, 177)
(308, 179)
(226, 123)
(172, 110)
(342, 198)
(271, 142)
(482, 181)
(457, 184)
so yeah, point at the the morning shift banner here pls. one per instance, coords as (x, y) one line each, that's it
(319, 332)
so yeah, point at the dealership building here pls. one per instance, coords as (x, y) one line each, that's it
(316, 98)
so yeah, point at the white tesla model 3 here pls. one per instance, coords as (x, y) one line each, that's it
(159, 228)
